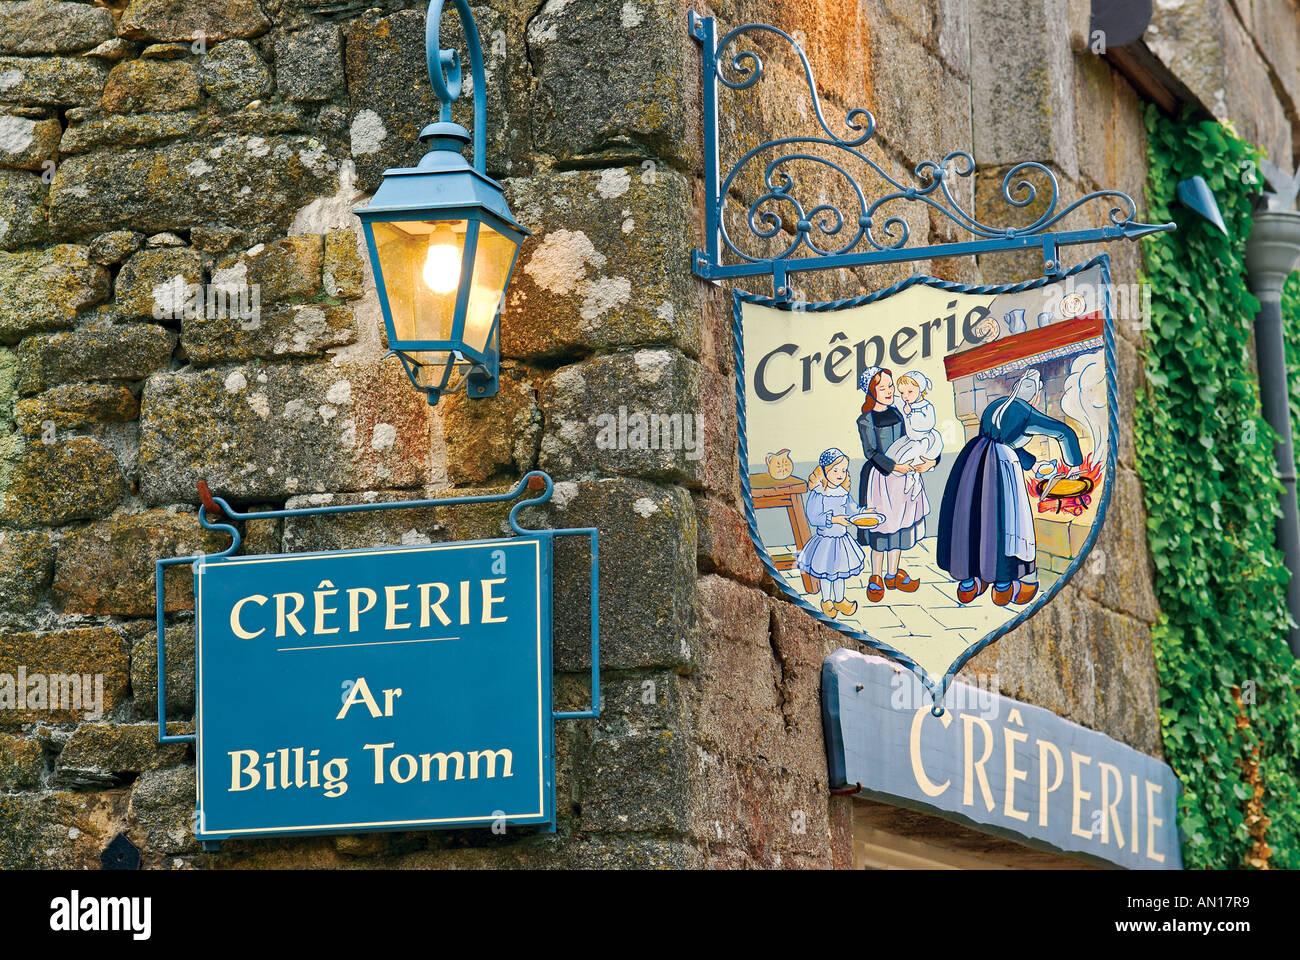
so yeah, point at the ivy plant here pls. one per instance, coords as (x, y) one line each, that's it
(1229, 704)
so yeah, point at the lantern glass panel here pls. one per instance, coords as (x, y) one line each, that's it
(421, 265)
(493, 258)
(433, 368)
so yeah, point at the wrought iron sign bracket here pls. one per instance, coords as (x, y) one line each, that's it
(535, 482)
(827, 237)
(216, 514)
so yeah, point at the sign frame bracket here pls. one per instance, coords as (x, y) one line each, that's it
(216, 513)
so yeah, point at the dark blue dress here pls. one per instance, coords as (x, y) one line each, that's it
(972, 529)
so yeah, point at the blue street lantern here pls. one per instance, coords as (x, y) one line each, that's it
(442, 241)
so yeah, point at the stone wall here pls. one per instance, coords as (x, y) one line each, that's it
(224, 142)
(151, 145)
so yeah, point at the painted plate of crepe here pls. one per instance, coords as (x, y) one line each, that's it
(1068, 487)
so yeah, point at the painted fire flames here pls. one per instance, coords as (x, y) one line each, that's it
(1048, 491)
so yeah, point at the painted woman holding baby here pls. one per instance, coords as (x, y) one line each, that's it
(883, 485)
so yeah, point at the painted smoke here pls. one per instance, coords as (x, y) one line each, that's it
(1083, 399)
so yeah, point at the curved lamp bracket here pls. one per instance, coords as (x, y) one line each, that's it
(797, 229)
(446, 75)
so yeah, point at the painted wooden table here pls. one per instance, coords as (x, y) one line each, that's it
(788, 495)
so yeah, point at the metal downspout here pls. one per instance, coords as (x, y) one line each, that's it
(1271, 253)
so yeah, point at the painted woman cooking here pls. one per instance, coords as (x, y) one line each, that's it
(883, 488)
(986, 526)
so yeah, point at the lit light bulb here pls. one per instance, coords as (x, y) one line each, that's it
(442, 265)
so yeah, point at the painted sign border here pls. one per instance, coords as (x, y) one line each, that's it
(938, 688)
(544, 815)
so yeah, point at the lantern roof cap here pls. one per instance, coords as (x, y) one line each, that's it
(442, 180)
(445, 135)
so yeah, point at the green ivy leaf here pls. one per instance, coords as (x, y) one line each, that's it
(1211, 500)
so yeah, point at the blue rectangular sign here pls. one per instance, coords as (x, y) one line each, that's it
(401, 688)
(997, 764)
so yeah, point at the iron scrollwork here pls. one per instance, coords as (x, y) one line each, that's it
(879, 233)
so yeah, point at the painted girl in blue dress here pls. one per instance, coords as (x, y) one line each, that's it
(833, 554)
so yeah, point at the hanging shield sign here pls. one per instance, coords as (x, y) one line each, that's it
(925, 467)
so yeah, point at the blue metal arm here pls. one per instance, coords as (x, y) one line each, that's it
(158, 567)
(447, 86)
(594, 710)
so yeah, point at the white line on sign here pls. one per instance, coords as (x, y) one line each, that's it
(376, 643)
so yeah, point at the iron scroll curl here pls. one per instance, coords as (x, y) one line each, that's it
(854, 231)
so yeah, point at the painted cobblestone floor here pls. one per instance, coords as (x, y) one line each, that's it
(928, 625)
